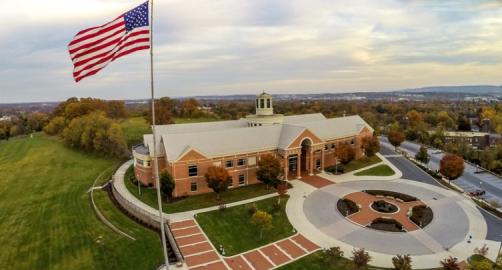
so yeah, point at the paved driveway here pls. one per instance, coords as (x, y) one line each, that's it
(412, 172)
(469, 181)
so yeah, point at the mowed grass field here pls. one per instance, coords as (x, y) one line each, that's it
(46, 220)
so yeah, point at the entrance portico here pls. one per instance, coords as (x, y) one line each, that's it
(307, 159)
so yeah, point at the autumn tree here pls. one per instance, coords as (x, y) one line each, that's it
(282, 189)
(402, 262)
(445, 120)
(345, 153)
(414, 118)
(451, 166)
(163, 112)
(422, 155)
(55, 126)
(217, 179)
(395, 138)
(269, 170)
(167, 184)
(360, 257)
(95, 133)
(450, 263)
(371, 145)
(262, 220)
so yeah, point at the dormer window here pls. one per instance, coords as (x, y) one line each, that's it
(262, 103)
(257, 104)
(268, 102)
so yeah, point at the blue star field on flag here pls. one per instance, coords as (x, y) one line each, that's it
(137, 17)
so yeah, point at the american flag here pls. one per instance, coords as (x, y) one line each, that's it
(94, 48)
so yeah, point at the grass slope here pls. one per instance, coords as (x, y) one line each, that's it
(380, 170)
(46, 218)
(233, 229)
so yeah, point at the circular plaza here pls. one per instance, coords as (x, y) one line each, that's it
(454, 226)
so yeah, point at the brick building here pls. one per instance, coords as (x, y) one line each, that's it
(304, 143)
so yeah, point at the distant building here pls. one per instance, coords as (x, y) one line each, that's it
(305, 144)
(479, 140)
(5, 118)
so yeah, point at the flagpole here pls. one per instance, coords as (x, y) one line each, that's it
(155, 161)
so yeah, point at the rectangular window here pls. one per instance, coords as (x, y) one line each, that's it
(268, 103)
(193, 186)
(256, 103)
(241, 162)
(140, 162)
(318, 164)
(230, 182)
(192, 170)
(252, 161)
(242, 179)
(229, 163)
(262, 103)
(352, 141)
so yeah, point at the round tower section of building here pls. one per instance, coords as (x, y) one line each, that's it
(264, 112)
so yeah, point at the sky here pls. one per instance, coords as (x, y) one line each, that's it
(218, 47)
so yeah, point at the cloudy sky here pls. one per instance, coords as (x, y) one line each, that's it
(207, 47)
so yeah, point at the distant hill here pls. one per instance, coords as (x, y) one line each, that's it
(468, 89)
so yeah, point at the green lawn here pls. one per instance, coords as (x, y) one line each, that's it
(133, 129)
(380, 170)
(315, 261)
(232, 227)
(361, 163)
(47, 221)
(149, 196)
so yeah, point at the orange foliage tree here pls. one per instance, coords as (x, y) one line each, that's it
(396, 138)
(217, 179)
(451, 166)
(345, 153)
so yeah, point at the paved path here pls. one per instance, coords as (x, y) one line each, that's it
(469, 181)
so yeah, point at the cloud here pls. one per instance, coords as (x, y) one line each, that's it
(227, 46)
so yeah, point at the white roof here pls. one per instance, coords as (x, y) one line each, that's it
(224, 138)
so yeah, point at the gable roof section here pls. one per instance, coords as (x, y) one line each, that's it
(329, 129)
(234, 137)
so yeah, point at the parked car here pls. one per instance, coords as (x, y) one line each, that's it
(477, 192)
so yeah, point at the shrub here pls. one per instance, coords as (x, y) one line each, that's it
(361, 258)
(402, 262)
(347, 207)
(482, 251)
(252, 209)
(421, 215)
(450, 263)
(332, 255)
(404, 197)
(386, 224)
(333, 169)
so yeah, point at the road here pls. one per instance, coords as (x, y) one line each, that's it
(469, 181)
(414, 173)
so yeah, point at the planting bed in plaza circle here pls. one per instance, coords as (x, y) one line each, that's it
(385, 210)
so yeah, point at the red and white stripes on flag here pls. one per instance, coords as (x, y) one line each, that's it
(93, 49)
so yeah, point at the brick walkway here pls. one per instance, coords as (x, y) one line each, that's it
(316, 181)
(200, 254)
(273, 255)
(195, 247)
(366, 215)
